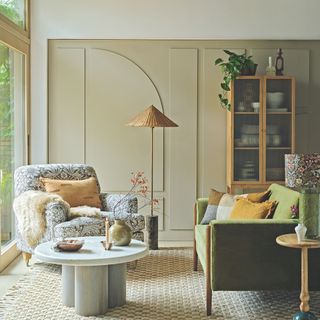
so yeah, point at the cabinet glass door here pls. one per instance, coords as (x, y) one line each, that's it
(246, 134)
(278, 126)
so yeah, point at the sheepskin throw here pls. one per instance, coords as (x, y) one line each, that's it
(29, 208)
(84, 211)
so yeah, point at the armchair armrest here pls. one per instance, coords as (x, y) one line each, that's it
(245, 255)
(108, 201)
(200, 209)
(55, 213)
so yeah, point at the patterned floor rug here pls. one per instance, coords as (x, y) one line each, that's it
(163, 286)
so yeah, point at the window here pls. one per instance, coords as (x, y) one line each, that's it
(14, 89)
(12, 132)
(14, 10)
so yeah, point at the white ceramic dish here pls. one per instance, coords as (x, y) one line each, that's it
(275, 99)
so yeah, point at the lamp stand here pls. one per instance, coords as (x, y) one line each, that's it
(152, 220)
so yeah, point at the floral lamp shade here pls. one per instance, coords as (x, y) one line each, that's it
(302, 170)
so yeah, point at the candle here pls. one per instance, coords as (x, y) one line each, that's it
(107, 230)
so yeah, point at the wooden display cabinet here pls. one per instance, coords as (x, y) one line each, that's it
(260, 129)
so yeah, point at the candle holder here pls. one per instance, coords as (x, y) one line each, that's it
(106, 245)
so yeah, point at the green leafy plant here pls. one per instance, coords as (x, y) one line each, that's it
(237, 64)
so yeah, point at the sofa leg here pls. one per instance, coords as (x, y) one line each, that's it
(195, 256)
(208, 271)
(26, 257)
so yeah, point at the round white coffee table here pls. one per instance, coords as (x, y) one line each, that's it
(93, 279)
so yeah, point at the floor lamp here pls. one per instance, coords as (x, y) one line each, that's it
(151, 118)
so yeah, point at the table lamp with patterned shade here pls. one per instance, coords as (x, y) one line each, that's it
(151, 118)
(302, 172)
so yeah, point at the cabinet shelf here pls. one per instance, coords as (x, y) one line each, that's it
(246, 113)
(279, 148)
(277, 113)
(246, 148)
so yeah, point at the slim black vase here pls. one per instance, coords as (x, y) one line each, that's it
(152, 231)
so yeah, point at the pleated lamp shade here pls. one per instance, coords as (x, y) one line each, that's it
(151, 117)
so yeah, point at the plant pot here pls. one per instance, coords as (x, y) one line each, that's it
(120, 233)
(152, 232)
(249, 70)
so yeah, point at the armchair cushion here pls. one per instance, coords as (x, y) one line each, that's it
(76, 192)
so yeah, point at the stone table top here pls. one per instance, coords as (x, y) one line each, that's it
(92, 253)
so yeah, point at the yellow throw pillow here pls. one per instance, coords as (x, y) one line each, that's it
(245, 209)
(75, 192)
(259, 197)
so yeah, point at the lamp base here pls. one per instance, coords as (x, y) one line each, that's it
(152, 232)
(304, 316)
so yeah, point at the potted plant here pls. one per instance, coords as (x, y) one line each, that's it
(236, 65)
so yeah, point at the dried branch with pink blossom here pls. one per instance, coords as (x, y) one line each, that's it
(140, 189)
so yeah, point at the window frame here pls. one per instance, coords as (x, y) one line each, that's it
(18, 39)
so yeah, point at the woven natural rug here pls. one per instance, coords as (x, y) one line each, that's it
(163, 286)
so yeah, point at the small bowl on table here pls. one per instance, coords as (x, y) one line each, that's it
(69, 245)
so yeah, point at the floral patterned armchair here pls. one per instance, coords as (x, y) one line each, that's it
(57, 225)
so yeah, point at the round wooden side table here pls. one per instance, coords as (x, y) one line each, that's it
(290, 241)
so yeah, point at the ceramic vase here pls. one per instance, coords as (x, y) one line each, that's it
(120, 233)
(300, 231)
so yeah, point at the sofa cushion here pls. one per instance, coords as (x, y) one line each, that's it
(75, 192)
(285, 198)
(245, 209)
(213, 202)
(259, 197)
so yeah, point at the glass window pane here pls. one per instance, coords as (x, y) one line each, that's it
(14, 10)
(12, 133)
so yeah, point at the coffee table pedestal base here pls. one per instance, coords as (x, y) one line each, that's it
(94, 289)
(304, 316)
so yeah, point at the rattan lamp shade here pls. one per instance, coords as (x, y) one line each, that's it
(151, 117)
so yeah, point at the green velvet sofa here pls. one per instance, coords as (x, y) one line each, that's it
(243, 254)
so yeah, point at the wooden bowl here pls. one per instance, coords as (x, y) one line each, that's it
(70, 245)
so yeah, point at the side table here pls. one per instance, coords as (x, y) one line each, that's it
(290, 241)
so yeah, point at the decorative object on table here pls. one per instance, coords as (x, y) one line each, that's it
(151, 118)
(300, 230)
(120, 233)
(302, 171)
(237, 64)
(107, 244)
(270, 70)
(68, 245)
(291, 241)
(279, 63)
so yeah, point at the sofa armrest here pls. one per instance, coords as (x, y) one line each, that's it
(55, 213)
(109, 200)
(200, 209)
(245, 255)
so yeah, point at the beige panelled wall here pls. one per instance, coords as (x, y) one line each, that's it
(183, 140)
(67, 98)
(112, 80)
